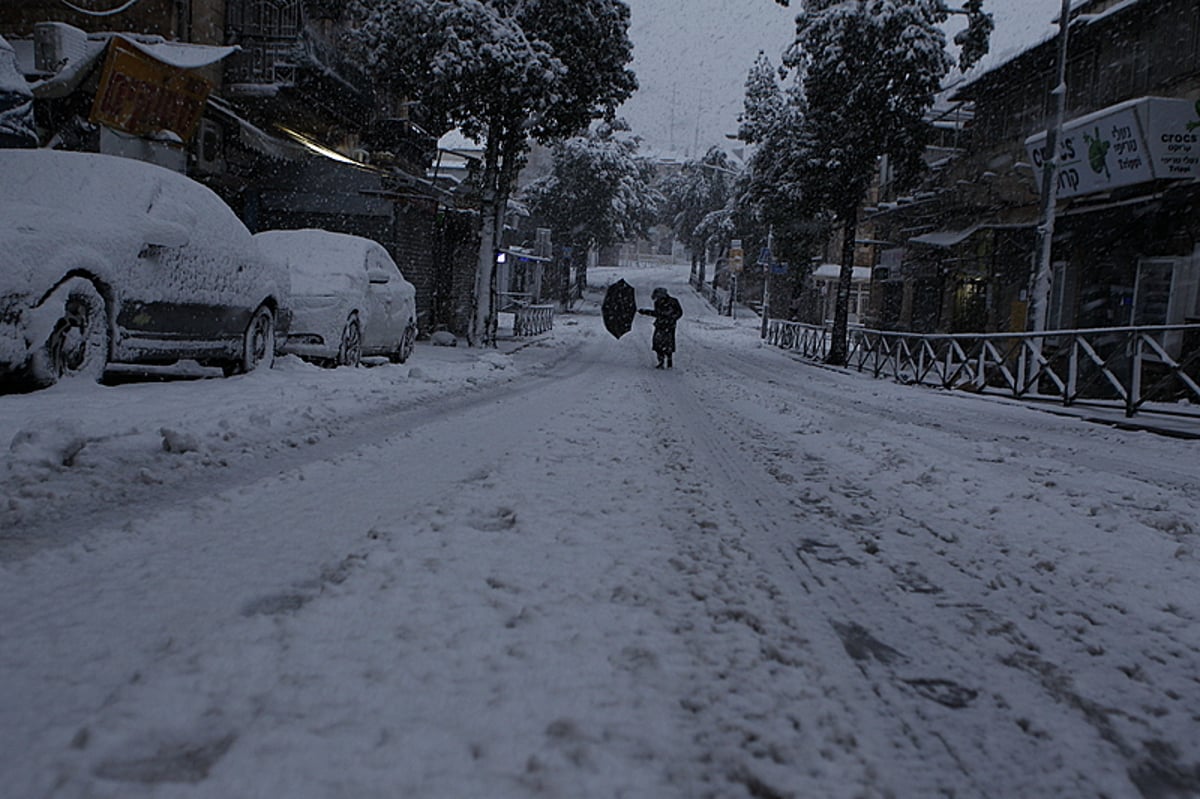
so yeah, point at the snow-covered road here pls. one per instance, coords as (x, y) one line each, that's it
(560, 572)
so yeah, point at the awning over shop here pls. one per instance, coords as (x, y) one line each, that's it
(947, 239)
(861, 274)
(258, 140)
(524, 254)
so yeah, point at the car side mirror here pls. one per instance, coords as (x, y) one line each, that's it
(159, 233)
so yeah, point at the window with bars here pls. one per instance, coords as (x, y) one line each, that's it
(279, 19)
(268, 32)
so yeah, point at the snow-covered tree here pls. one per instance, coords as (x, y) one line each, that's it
(502, 71)
(698, 189)
(773, 203)
(764, 103)
(774, 123)
(868, 71)
(599, 192)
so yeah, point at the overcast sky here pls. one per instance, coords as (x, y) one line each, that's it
(692, 57)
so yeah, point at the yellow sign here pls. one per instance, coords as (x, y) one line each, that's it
(140, 95)
(736, 258)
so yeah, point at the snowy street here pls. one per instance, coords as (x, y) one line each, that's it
(552, 570)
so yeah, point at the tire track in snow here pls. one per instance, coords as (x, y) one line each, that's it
(1151, 767)
(780, 655)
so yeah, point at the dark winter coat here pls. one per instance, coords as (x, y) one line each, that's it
(666, 313)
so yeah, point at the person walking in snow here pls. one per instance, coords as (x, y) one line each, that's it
(666, 313)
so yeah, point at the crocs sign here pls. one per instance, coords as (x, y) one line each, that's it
(1150, 138)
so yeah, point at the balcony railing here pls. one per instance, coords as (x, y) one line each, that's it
(1126, 367)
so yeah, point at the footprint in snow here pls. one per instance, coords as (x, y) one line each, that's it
(496, 521)
(183, 760)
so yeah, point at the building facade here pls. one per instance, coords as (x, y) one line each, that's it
(255, 99)
(957, 255)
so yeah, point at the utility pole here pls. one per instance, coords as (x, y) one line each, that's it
(1040, 288)
(767, 268)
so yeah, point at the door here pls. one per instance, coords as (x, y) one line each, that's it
(383, 329)
(1164, 290)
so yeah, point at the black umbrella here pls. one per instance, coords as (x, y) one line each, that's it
(619, 308)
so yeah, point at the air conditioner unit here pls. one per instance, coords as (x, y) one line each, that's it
(210, 148)
(56, 44)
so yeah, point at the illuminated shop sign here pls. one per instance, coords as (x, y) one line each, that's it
(1150, 138)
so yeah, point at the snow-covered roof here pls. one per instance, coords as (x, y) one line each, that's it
(92, 48)
(457, 143)
(318, 260)
(1024, 25)
(257, 139)
(178, 54)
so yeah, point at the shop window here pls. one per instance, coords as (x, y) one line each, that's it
(1164, 291)
(1152, 292)
(970, 306)
(1059, 310)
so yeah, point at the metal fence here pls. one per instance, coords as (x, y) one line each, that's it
(1126, 367)
(718, 298)
(532, 320)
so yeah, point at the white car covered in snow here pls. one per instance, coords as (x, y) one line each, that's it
(106, 259)
(348, 297)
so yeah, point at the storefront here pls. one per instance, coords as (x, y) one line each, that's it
(967, 281)
(826, 277)
(1127, 231)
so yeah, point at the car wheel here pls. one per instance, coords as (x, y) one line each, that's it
(72, 330)
(407, 342)
(258, 343)
(350, 350)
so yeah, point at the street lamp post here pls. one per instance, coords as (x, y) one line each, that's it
(1040, 288)
(767, 267)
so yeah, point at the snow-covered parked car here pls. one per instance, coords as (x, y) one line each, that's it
(348, 297)
(106, 259)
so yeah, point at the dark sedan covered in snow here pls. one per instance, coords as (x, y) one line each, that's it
(106, 259)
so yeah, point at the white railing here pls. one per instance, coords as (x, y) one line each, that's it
(1123, 366)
